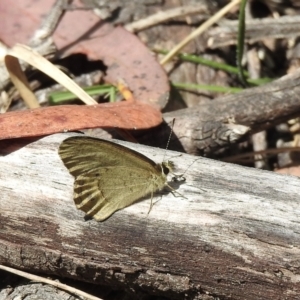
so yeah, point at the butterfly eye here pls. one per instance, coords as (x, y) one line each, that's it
(165, 168)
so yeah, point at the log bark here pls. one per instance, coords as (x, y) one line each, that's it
(226, 120)
(234, 235)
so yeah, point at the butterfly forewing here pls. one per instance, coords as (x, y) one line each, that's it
(108, 177)
(85, 154)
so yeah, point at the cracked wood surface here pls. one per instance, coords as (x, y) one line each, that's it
(236, 234)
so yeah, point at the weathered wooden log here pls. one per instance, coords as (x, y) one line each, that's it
(236, 234)
(220, 123)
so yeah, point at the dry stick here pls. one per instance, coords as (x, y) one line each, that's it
(283, 27)
(163, 16)
(235, 158)
(199, 30)
(50, 23)
(49, 281)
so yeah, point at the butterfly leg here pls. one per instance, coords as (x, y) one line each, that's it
(175, 192)
(151, 204)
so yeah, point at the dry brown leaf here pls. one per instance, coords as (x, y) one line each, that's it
(125, 56)
(49, 120)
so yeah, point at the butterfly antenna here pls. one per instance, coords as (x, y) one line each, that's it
(169, 139)
(189, 166)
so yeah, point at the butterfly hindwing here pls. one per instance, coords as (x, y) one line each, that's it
(99, 194)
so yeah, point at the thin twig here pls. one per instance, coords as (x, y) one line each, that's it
(199, 30)
(275, 151)
(163, 16)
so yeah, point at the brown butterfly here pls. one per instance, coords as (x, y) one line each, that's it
(108, 176)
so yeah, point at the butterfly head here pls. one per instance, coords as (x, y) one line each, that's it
(167, 167)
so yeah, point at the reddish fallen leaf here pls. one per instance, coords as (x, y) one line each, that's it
(20, 19)
(49, 120)
(125, 56)
(294, 170)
